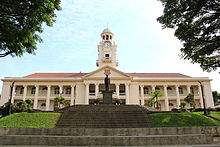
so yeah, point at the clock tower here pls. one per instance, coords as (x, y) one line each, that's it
(107, 50)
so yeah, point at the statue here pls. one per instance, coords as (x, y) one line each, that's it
(107, 83)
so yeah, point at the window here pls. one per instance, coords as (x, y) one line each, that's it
(191, 90)
(169, 88)
(103, 37)
(171, 104)
(56, 91)
(68, 90)
(22, 90)
(44, 88)
(110, 37)
(180, 90)
(33, 90)
(107, 56)
(107, 37)
(157, 88)
(146, 90)
(43, 105)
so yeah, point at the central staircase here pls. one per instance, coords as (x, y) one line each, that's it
(104, 116)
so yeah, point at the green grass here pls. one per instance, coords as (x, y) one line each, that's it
(215, 114)
(30, 120)
(181, 120)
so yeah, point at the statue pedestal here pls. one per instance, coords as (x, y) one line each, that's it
(107, 97)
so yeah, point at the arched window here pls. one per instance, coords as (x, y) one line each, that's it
(33, 90)
(22, 90)
(107, 37)
(103, 37)
(110, 37)
(43, 105)
(180, 90)
(56, 91)
(68, 90)
(146, 90)
(192, 90)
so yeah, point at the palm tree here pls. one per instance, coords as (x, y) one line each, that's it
(154, 100)
(59, 100)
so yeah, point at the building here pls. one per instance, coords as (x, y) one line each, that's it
(83, 88)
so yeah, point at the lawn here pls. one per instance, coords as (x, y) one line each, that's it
(181, 120)
(30, 120)
(215, 114)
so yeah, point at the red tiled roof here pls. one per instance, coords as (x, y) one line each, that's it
(159, 75)
(147, 75)
(47, 75)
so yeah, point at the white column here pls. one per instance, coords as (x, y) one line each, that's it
(13, 95)
(166, 101)
(36, 96)
(87, 94)
(72, 95)
(60, 90)
(153, 88)
(127, 93)
(25, 92)
(188, 89)
(96, 90)
(177, 96)
(142, 94)
(117, 90)
(200, 96)
(48, 98)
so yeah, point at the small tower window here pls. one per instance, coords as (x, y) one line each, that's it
(107, 56)
(107, 37)
(103, 37)
(110, 37)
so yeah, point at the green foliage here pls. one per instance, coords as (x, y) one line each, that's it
(182, 107)
(59, 101)
(30, 120)
(21, 22)
(181, 120)
(4, 110)
(117, 101)
(96, 101)
(190, 100)
(24, 106)
(154, 100)
(196, 24)
(216, 96)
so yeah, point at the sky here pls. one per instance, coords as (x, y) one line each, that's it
(70, 46)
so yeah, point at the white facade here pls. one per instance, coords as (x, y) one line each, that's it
(83, 88)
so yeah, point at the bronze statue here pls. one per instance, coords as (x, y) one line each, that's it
(107, 83)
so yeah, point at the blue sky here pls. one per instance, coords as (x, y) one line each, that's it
(71, 44)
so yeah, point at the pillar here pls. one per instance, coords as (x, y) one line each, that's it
(117, 90)
(48, 98)
(60, 90)
(25, 92)
(36, 96)
(188, 89)
(96, 90)
(13, 95)
(87, 94)
(166, 101)
(142, 94)
(153, 88)
(127, 94)
(200, 96)
(72, 95)
(177, 96)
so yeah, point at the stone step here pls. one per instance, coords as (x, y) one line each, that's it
(108, 131)
(106, 140)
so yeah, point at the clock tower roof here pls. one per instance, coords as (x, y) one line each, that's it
(107, 30)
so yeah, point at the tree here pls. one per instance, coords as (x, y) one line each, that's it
(190, 100)
(216, 96)
(21, 22)
(154, 100)
(59, 101)
(196, 24)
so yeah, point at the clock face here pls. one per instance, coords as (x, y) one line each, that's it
(107, 44)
